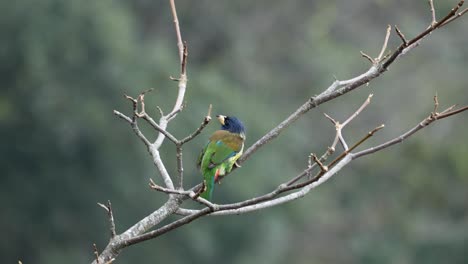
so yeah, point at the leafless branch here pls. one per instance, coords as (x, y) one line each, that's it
(436, 105)
(369, 58)
(455, 17)
(205, 122)
(110, 214)
(160, 111)
(364, 105)
(317, 160)
(96, 252)
(267, 200)
(427, 121)
(291, 189)
(346, 157)
(134, 125)
(177, 29)
(142, 114)
(339, 127)
(339, 88)
(384, 46)
(156, 187)
(178, 106)
(445, 114)
(402, 37)
(271, 198)
(403, 48)
(431, 5)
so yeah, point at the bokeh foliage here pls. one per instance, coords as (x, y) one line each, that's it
(66, 64)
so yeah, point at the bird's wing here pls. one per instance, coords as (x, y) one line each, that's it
(200, 157)
(222, 152)
(224, 145)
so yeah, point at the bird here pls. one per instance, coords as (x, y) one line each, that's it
(219, 155)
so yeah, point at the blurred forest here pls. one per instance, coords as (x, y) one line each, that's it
(64, 66)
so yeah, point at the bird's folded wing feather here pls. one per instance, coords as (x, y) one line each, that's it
(225, 145)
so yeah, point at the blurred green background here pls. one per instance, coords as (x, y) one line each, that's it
(64, 66)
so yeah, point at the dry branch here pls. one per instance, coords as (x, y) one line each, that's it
(291, 189)
(339, 88)
(110, 215)
(431, 5)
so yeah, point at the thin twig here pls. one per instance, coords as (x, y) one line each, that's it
(156, 187)
(180, 44)
(369, 58)
(436, 105)
(160, 110)
(334, 122)
(317, 160)
(204, 123)
(436, 25)
(455, 17)
(427, 121)
(342, 141)
(150, 120)
(384, 46)
(338, 138)
(358, 111)
(338, 159)
(110, 215)
(96, 253)
(123, 116)
(451, 113)
(433, 15)
(193, 195)
(142, 114)
(134, 125)
(402, 37)
(366, 137)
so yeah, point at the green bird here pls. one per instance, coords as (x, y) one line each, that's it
(225, 146)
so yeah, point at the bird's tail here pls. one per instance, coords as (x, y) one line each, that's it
(209, 178)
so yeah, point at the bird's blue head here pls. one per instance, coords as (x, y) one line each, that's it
(231, 124)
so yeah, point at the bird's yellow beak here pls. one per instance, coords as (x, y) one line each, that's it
(221, 119)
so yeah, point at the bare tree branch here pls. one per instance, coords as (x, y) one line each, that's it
(431, 5)
(427, 121)
(110, 214)
(205, 122)
(339, 88)
(402, 37)
(455, 17)
(384, 46)
(134, 125)
(180, 44)
(369, 58)
(340, 162)
(291, 189)
(96, 253)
